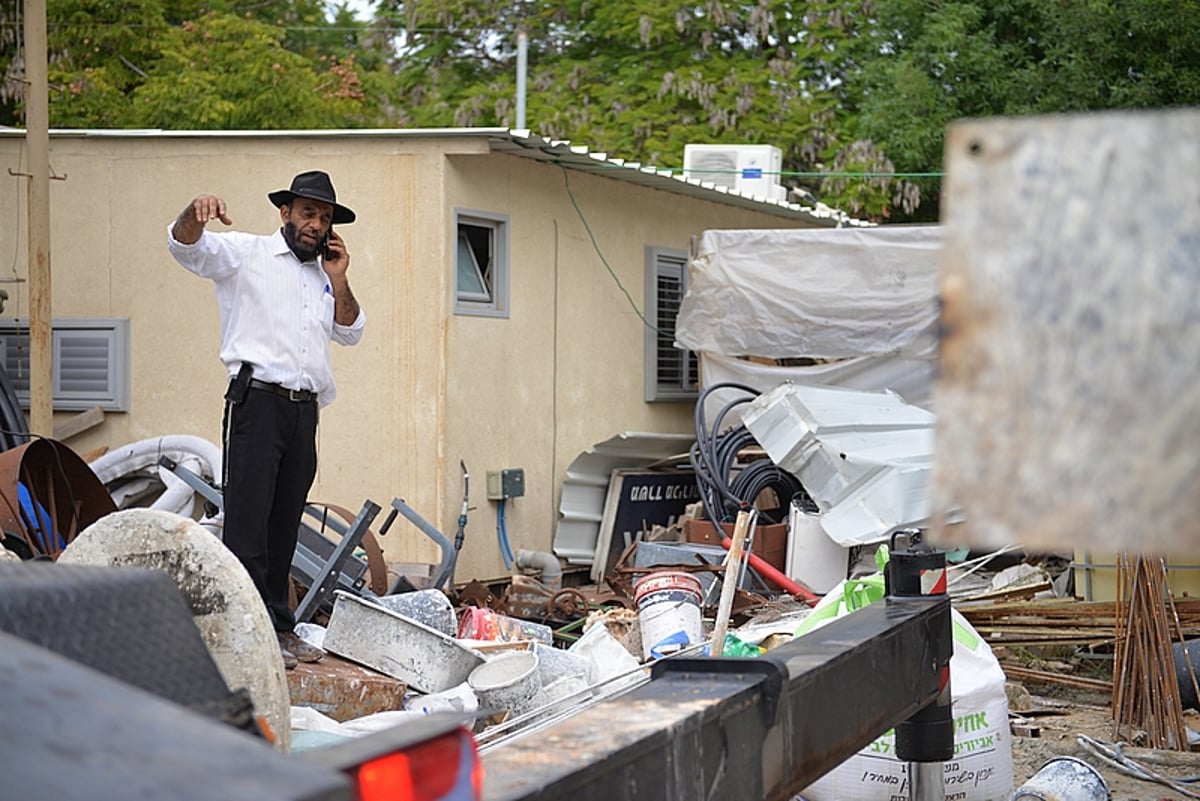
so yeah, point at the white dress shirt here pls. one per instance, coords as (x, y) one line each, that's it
(276, 312)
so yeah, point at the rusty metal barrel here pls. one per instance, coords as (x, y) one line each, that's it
(48, 494)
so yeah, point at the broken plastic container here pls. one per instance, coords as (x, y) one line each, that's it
(487, 624)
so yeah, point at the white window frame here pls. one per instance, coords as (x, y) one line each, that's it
(110, 333)
(494, 274)
(668, 264)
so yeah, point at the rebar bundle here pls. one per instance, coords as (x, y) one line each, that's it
(1145, 689)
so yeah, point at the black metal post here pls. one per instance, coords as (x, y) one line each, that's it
(926, 740)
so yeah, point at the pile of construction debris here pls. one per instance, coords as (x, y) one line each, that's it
(549, 654)
(518, 656)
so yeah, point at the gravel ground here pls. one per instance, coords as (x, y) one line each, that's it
(1063, 720)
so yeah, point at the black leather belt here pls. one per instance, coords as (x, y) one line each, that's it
(295, 395)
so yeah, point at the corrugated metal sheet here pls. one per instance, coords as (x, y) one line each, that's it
(864, 457)
(526, 144)
(585, 486)
(578, 157)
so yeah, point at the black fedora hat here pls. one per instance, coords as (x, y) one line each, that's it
(314, 185)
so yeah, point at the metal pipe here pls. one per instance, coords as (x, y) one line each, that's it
(547, 563)
(776, 576)
(461, 533)
(537, 719)
(979, 563)
(522, 57)
(448, 553)
(926, 781)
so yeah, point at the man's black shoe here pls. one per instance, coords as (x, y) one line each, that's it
(289, 659)
(290, 642)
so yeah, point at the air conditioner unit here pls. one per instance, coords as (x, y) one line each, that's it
(749, 169)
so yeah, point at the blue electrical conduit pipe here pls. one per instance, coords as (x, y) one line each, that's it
(502, 537)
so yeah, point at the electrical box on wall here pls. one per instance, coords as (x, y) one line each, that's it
(508, 483)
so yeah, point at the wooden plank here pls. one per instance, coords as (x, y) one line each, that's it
(78, 424)
(1070, 352)
(1018, 673)
(1023, 727)
(1011, 593)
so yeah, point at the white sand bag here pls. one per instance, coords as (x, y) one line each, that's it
(982, 767)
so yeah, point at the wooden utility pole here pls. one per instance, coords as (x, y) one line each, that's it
(37, 146)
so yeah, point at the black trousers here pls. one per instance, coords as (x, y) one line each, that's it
(270, 463)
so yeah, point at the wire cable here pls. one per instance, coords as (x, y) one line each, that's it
(604, 261)
(725, 487)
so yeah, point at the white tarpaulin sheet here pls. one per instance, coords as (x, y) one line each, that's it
(909, 377)
(818, 293)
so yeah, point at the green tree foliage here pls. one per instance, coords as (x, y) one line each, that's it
(857, 93)
(859, 90)
(10, 38)
(923, 65)
(93, 70)
(186, 64)
(640, 79)
(236, 74)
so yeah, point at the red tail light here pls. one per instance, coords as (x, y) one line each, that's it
(446, 768)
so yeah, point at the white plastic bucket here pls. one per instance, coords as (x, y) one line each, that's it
(508, 681)
(668, 605)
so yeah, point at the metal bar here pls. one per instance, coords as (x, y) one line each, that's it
(206, 490)
(443, 542)
(738, 729)
(326, 579)
(926, 739)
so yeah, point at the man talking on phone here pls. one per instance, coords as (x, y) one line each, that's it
(282, 298)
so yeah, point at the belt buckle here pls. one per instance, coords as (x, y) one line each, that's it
(297, 395)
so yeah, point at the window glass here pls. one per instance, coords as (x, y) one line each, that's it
(480, 264)
(471, 284)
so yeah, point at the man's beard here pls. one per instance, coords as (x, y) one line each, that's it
(303, 253)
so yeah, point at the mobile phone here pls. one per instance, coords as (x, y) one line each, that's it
(325, 254)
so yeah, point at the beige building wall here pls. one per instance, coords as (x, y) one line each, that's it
(425, 388)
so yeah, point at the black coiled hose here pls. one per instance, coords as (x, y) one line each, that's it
(724, 488)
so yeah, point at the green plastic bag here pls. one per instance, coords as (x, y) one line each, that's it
(855, 594)
(735, 646)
